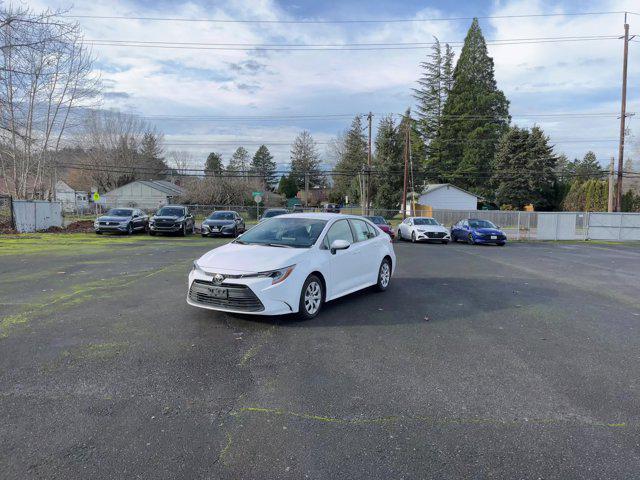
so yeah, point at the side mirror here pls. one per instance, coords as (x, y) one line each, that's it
(339, 245)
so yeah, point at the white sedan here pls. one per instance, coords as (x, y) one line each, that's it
(293, 264)
(419, 229)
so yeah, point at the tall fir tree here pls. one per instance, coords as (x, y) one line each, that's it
(151, 154)
(542, 170)
(353, 157)
(434, 86)
(388, 161)
(287, 186)
(213, 165)
(525, 169)
(305, 160)
(239, 161)
(264, 167)
(475, 116)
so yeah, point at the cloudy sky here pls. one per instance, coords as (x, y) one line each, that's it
(554, 79)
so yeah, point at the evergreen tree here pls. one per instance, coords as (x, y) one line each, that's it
(511, 163)
(151, 155)
(264, 167)
(388, 161)
(475, 116)
(306, 160)
(433, 88)
(525, 169)
(353, 157)
(588, 168)
(288, 186)
(541, 170)
(239, 161)
(213, 165)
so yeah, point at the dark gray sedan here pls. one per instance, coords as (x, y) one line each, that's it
(223, 223)
(122, 220)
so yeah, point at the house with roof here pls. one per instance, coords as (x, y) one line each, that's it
(72, 199)
(445, 196)
(145, 194)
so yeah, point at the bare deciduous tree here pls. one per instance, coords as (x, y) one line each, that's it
(46, 76)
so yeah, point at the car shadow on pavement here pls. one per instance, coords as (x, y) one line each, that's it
(415, 300)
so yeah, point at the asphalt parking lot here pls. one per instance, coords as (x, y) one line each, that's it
(478, 362)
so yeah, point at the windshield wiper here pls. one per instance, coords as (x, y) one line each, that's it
(240, 242)
(280, 245)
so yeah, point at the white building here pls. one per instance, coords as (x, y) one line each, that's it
(70, 198)
(145, 194)
(444, 196)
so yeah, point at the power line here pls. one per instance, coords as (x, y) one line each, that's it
(317, 21)
(345, 47)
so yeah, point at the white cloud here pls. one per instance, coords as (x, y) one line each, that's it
(556, 77)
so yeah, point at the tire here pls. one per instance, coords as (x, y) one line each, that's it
(311, 298)
(130, 229)
(152, 233)
(235, 233)
(399, 236)
(183, 232)
(413, 237)
(384, 275)
(98, 232)
(193, 229)
(445, 242)
(203, 235)
(454, 239)
(470, 240)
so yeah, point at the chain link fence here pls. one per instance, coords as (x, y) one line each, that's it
(516, 225)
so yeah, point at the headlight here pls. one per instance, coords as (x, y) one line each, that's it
(276, 276)
(196, 267)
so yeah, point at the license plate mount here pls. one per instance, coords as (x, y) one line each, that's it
(219, 292)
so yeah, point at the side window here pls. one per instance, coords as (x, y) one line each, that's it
(360, 229)
(373, 230)
(338, 231)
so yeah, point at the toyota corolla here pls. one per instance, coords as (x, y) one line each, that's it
(293, 264)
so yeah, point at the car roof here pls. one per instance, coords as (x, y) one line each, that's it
(323, 216)
(174, 206)
(223, 211)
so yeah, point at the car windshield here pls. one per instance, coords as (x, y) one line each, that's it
(377, 220)
(273, 213)
(481, 224)
(170, 212)
(221, 216)
(119, 212)
(285, 232)
(425, 221)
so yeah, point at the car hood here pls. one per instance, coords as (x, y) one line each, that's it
(488, 231)
(165, 217)
(218, 222)
(106, 218)
(432, 228)
(235, 257)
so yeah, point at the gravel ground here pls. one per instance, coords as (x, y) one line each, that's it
(478, 362)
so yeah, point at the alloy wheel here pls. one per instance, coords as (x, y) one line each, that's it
(385, 274)
(313, 297)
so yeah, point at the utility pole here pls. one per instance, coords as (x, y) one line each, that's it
(623, 115)
(406, 166)
(611, 202)
(306, 189)
(369, 118)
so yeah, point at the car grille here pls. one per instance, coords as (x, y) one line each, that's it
(436, 234)
(240, 298)
(111, 224)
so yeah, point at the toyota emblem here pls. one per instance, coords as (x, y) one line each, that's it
(218, 278)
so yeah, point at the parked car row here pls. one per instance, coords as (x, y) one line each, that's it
(168, 219)
(471, 230)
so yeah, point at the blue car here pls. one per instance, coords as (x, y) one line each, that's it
(474, 230)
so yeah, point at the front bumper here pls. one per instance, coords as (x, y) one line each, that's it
(487, 239)
(433, 236)
(110, 227)
(250, 296)
(172, 228)
(225, 231)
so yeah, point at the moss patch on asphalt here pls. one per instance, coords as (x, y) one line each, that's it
(89, 243)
